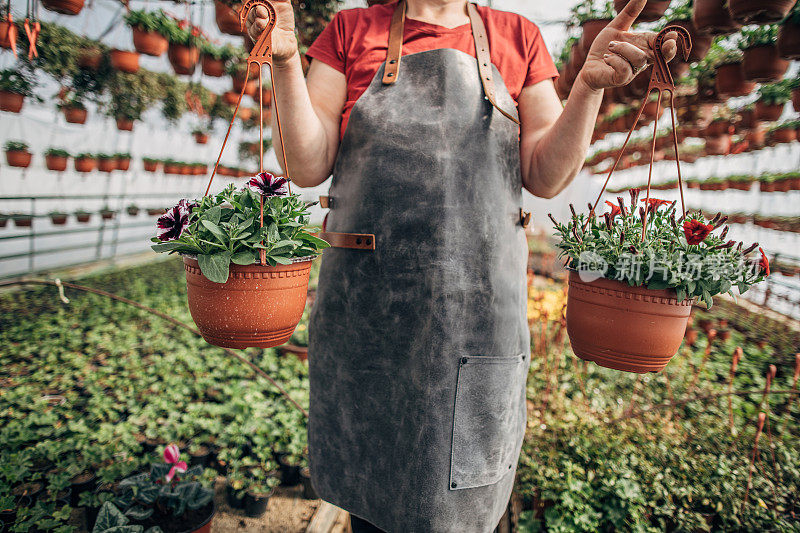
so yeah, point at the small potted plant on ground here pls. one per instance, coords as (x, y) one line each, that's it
(183, 53)
(106, 162)
(762, 62)
(56, 159)
(123, 161)
(150, 164)
(14, 88)
(83, 216)
(261, 486)
(85, 162)
(238, 266)
(772, 98)
(58, 218)
(17, 154)
(200, 135)
(635, 273)
(149, 28)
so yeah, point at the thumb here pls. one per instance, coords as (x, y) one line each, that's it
(625, 19)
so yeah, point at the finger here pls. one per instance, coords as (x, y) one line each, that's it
(669, 49)
(258, 26)
(637, 57)
(646, 40)
(628, 15)
(623, 72)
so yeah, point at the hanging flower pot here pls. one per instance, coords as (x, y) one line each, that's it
(200, 137)
(211, 66)
(150, 165)
(85, 163)
(763, 64)
(83, 216)
(183, 58)
(711, 17)
(768, 112)
(759, 11)
(8, 34)
(227, 19)
(245, 113)
(56, 159)
(107, 214)
(75, 114)
(90, 58)
(701, 43)
(17, 154)
(231, 98)
(58, 219)
(653, 9)
(123, 161)
(238, 82)
(11, 101)
(106, 163)
(124, 124)
(65, 7)
(150, 43)
(718, 145)
(789, 40)
(132, 210)
(730, 80)
(756, 137)
(590, 29)
(784, 134)
(125, 61)
(172, 167)
(22, 221)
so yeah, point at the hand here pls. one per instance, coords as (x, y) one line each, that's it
(618, 55)
(284, 42)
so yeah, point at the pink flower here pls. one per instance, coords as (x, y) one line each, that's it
(269, 185)
(174, 221)
(171, 455)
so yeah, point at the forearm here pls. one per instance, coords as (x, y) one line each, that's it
(303, 134)
(560, 153)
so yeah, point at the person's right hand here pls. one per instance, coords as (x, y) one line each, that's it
(284, 42)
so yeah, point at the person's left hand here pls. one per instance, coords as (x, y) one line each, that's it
(619, 55)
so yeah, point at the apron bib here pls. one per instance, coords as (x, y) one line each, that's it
(419, 349)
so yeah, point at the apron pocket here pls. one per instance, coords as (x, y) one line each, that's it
(487, 421)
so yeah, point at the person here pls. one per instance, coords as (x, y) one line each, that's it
(431, 116)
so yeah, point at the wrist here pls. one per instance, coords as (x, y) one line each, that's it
(584, 86)
(286, 63)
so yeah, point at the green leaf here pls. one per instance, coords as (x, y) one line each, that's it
(316, 241)
(213, 215)
(109, 516)
(215, 230)
(215, 266)
(245, 257)
(167, 246)
(283, 260)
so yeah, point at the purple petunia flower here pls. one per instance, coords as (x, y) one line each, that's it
(269, 185)
(172, 224)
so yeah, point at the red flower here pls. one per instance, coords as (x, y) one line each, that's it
(695, 231)
(654, 203)
(614, 209)
(763, 262)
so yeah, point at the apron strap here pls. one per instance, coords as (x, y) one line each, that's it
(356, 241)
(479, 35)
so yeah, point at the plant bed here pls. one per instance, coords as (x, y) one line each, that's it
(125, 61)
(268, 299)
(17, 154)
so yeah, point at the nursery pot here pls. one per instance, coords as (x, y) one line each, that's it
(107, 215)
(125, 61)
(789, 40)
(255, 505)
(784, 135)
(125, 124)
(58, 220)
(75, 115)
(762, 63)
(712, 17)
(19, 158)
(90, 59)
(231, 499)
(85, 164)
(768, 112)
(309, 493)
(65, 7)
(132, 211)
(83, 218)
(201, 138)
(212, 67)
(22, 221)
(57, 163)
(150, 43)
(591, 29)
(259, 306)
(227, 19)
(731, 80)
(238, 83)
(700, 43)
(759, 11)
(106, 165)
(123, 163)
(150, 166)
(5, 38)
(183, 58)
(653, 9)
(11, 102)
(633, 329)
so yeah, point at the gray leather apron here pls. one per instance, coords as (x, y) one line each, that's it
(419, 349)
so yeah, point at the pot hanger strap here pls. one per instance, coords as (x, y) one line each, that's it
(660, 81)
(482, 51)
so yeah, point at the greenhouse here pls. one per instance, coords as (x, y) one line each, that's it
(402, 266)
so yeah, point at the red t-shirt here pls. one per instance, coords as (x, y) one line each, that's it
(356, 41)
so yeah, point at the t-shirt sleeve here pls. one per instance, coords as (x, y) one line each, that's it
(540, 64)
(329, 45)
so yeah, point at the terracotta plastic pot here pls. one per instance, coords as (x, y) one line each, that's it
(56, 163)
(75, 115)
(58, 220)
(106, 165)
(125, 61)
(90, 59)
(172, 168)
(768, 112)
(19, 158)
(23, 221)
(11, 102)
(763, 64)
(711, 17)
(230, 97)
(85, 164)
(227, 19)
(83, 218)
(212, 67)
(150, 166)
(201, 138)
(257, 307)
(107, 215)
(245, 113)
(784, 135)
(767, 186)
(590, 30)
(65, 7)
(5, 35)
(150, 43)
(124, 124)
(238, 83)
(700, 43)
(183, 58)
(653, 9)
(123, 163)
(625, 328)
(759, 11)
(789, 40)
(730, 80)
